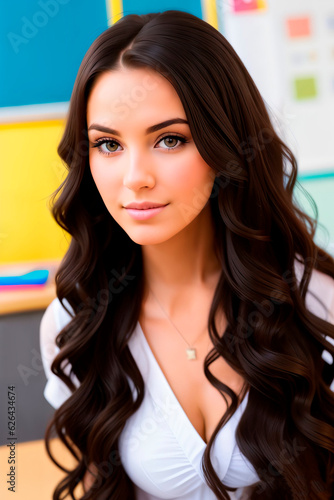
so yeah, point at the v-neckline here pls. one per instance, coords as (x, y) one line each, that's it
(178, 421)
(164, 380)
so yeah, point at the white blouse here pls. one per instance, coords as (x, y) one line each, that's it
(160, 449)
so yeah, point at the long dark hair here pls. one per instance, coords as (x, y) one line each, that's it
(271, 338)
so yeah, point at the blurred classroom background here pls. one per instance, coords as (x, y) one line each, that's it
(288, 47)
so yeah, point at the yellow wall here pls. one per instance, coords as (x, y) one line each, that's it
(30, 171)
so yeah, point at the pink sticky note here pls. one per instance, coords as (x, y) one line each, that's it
(298, 26)
(244, 5)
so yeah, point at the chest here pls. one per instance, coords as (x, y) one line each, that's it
(202, 403)
(160, 448)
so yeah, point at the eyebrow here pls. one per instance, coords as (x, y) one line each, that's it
(153, 128)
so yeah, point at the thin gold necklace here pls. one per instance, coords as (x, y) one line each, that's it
(191, 350)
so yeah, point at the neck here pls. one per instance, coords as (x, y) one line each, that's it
(182, 265)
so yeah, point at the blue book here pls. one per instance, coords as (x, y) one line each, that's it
(33, 278)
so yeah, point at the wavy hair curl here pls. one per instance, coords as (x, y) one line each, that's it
(260, 234)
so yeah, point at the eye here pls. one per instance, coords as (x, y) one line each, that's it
(106, 146)
(110, 146)
(171, 141)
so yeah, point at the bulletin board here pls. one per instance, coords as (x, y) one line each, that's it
(42, 46)
(307, 35)
(145, 6)
(294, 42)
(45, 41)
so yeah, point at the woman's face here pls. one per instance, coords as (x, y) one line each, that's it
(141, 150)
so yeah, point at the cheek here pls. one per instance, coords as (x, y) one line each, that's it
(196, 178)
(103, 177)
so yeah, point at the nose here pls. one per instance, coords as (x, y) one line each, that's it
(139, 172)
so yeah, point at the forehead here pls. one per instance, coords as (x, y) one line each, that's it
(132, 92)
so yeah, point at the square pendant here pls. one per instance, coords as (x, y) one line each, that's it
(191, 353)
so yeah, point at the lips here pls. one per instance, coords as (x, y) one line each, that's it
(145, 205)
(142, 214)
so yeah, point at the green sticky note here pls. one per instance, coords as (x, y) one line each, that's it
(305, 88)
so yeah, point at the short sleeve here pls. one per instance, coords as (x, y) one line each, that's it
(53, 321)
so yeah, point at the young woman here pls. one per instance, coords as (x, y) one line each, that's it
(189, 351)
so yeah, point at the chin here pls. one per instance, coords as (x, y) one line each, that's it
(148, 236)
(145, 240)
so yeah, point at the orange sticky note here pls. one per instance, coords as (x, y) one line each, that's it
(299, 26)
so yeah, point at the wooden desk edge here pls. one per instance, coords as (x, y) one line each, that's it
(26, 300)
